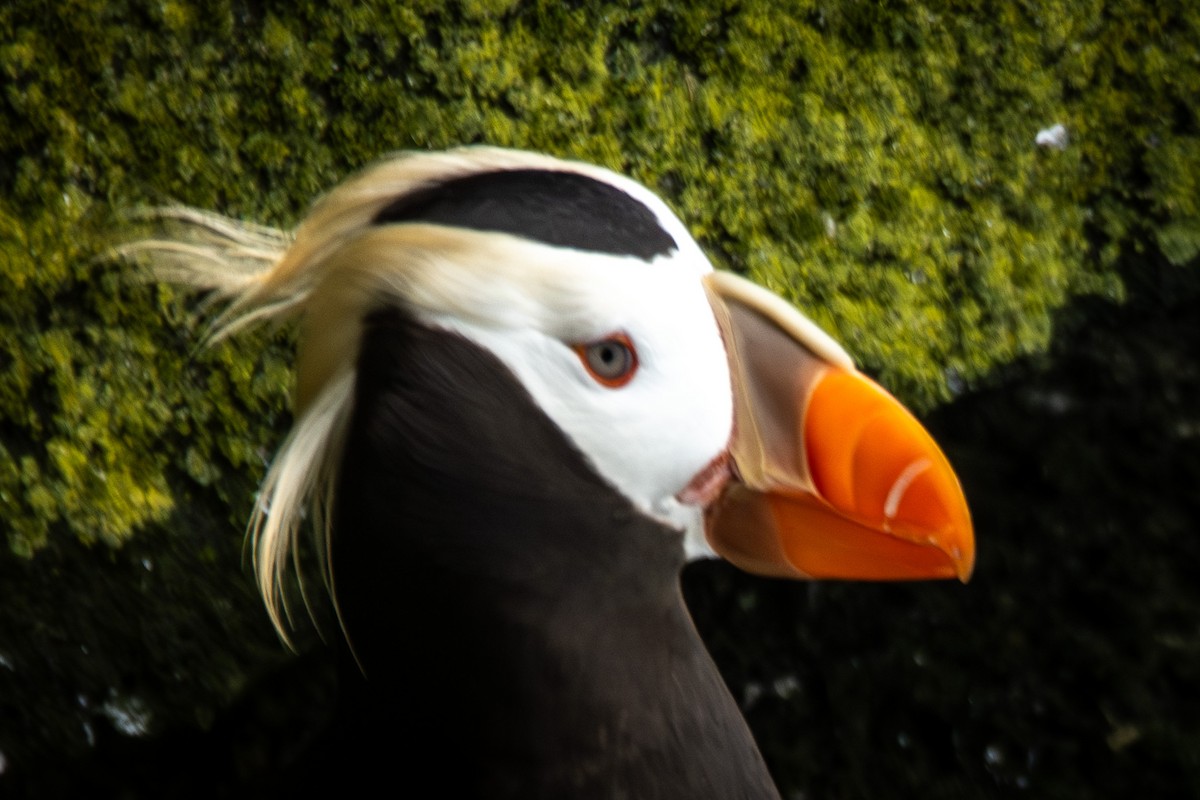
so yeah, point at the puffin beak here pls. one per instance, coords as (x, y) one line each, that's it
(831, 476)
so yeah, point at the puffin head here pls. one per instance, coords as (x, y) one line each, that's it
(713, 406)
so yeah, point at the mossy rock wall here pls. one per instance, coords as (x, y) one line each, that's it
(874, 161)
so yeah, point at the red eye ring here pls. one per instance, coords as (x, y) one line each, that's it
(611, 361)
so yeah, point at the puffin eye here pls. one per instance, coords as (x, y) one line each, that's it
(611, 361)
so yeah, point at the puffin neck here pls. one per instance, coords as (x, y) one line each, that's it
(502, 600)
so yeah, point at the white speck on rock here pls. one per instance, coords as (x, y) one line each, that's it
(129, 715)
(1053, 137)
(830, 225)
(785, 686)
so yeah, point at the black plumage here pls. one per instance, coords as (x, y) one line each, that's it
(506, 605)
(562, 209)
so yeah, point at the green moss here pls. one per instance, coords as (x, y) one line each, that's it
(875, 163)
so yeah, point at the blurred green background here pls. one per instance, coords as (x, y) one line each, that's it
(876, 162)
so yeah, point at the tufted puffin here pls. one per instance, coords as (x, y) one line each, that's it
(524, 398)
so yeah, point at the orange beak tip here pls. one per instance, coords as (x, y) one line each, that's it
(883, 503)
(831, 476)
